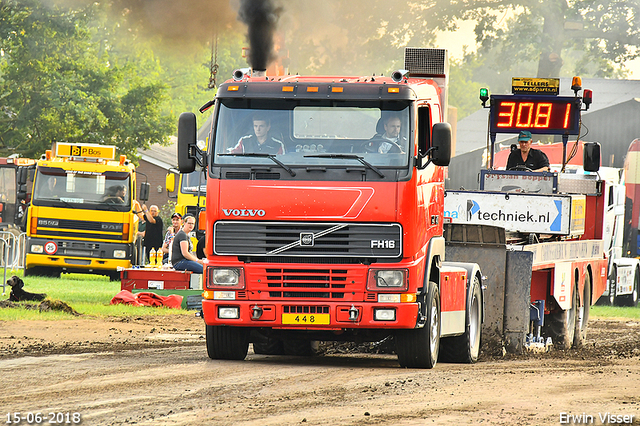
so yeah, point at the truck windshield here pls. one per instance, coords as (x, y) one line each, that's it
(190, 182)
(8, 184)
(378, 131)
(56, 187)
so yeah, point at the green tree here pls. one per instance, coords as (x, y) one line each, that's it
(59, 81)
(592, 37)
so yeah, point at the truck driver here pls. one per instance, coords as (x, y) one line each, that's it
(527, 158)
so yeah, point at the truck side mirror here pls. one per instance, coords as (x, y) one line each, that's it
(170, 182)
(23, 175)
(22, 191)
(591, 156)
(441, 144)
(144, 191)
(187, 135)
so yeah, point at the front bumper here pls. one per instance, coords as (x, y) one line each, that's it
(339, 316)
(78, 255)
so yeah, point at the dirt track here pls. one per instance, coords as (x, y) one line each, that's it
(154, 370)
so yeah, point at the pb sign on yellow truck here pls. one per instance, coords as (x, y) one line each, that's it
(82, 214)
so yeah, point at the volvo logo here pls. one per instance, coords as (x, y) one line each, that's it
(306, 239)
(243, 212)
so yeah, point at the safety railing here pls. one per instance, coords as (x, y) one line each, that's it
(12, 248)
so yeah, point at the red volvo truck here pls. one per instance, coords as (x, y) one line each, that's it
(332, 228)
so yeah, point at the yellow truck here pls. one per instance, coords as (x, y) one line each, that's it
(191, 191)
(83, 213)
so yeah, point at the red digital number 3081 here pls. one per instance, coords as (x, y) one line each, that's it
(528, 114)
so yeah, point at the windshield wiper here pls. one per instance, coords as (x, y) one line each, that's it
(349, 157)
(272, 157)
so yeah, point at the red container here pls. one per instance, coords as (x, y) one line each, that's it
(154, 279)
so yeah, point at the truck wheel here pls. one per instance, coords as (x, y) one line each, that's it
(42, 271)
(466, 348)
(582, 318)
(418, 348)
(630, 299)
(269, 347)
(561, 325)
(227, 342)
(297, 347)
(28, 272)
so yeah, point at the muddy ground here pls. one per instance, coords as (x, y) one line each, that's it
(155, 371)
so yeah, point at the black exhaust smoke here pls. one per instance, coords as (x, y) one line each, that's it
(261, 17)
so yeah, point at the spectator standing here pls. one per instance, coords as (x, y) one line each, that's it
(153, 229)
(176, 224)
(182, 256)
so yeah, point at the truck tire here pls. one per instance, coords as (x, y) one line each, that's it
(297, 347)
(629, 299)
(419, 347)
(42, 271)
(582, 316)
(269, 347)
(466, 347)
(561, 325)
(28, 272)
(227, 342)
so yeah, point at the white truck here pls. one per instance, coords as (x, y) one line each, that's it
(624, 270)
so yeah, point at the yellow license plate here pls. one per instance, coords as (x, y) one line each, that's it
(309, 319)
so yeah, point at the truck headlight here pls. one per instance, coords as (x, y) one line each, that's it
(225, 277)
(119, 254)
(37, 248)
(387, 279)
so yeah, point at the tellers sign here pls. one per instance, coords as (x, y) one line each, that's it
(537, 114)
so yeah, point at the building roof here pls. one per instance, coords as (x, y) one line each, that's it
(162, 156)
(472, 130)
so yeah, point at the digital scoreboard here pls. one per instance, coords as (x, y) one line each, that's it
(558, 115)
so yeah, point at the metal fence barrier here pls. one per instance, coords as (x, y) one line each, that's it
(13, 254)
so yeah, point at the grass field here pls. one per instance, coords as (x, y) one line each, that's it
(87, 294)
(615, 312)
(91, 294)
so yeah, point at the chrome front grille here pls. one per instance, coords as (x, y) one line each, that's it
(306, 239)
